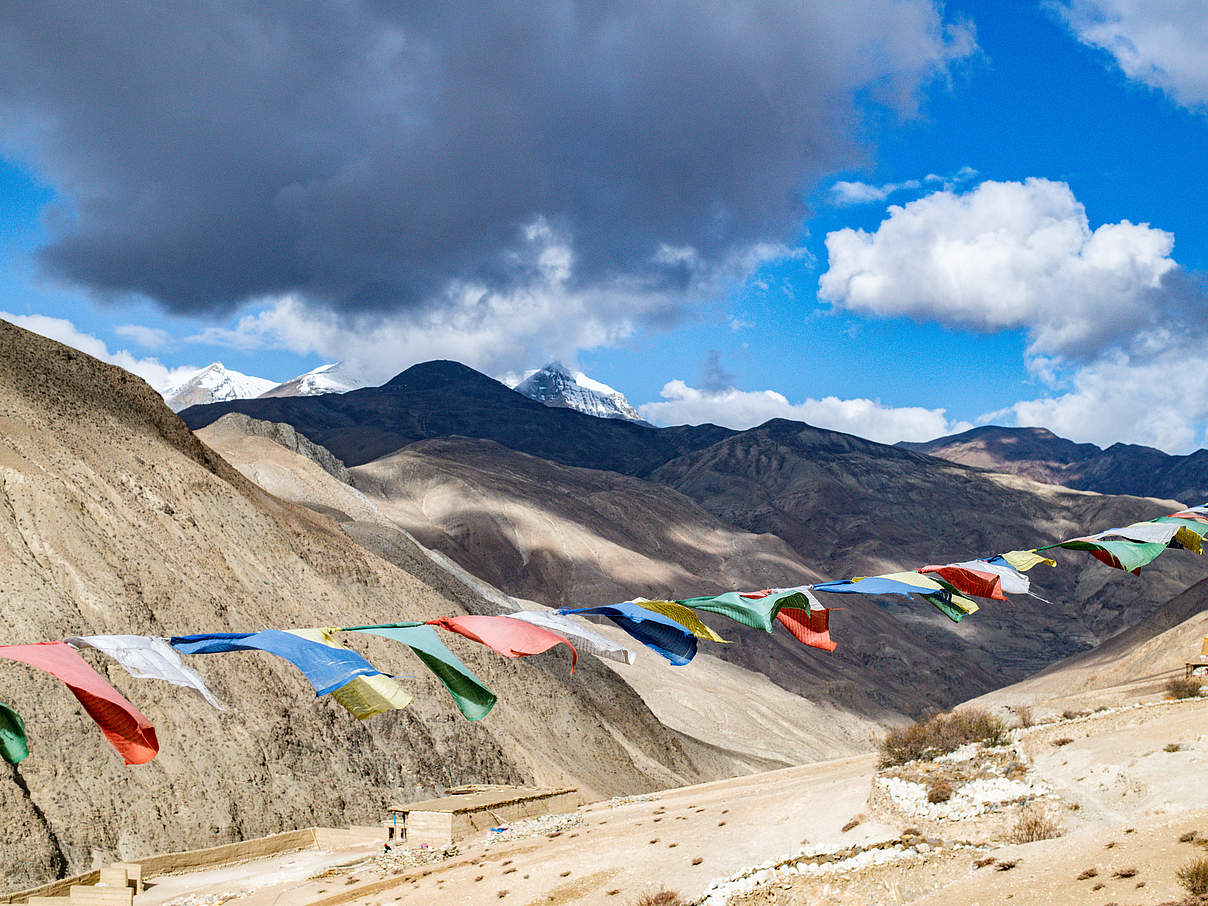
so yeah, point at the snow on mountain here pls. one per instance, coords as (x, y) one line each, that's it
(557, 386)
(214, 384)
(336, 377)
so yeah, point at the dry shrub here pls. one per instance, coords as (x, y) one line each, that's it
(1035, 824)
(1183, 687)
(1171, 747)
(1188, 837)
(1194, 876)
(1024, 715)
(1073, 715)
(853, 823)
(1089, 873)
(1063, 741)
(664, 897)
(939, 791)
(941, 734)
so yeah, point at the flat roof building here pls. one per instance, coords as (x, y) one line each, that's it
(465, 811)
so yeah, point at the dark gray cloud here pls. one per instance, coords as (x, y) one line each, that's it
(365, 154)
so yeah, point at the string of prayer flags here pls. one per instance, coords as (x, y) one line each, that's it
(325, 668)
(363, 696)
(657, 632)
(473, 699)
(126, 727)
(580, 636)
(13, 746)
(147, 657)
(669, 627)
(506, 637)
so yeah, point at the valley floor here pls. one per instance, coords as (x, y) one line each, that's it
(1124, 784)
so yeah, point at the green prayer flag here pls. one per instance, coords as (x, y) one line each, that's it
(758, 613)
(946, 607)
(13, 747)
(473, 699)
(1129, 556)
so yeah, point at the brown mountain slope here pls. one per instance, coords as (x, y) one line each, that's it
(114, 518)
(851, 507)
(1135, 663)
(565, 536)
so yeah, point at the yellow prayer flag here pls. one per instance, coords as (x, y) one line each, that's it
(364, 696)
(1025, 560)
(685, 616)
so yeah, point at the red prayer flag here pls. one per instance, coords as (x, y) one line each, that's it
(809, 627)
(126, 727)
(511, 638)
(970, 581)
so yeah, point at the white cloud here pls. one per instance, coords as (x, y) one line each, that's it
(1112, 319)
(146, 337)
(1160, 401)
(151, 370)
(1157, 42)
(1006, 255)
(851, 193)
(844, 193)
(497, 332)
(741, 409)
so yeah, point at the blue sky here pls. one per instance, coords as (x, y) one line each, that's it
(1019, 119)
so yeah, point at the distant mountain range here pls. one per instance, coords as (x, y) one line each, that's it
(439, 399)
(553, 385)
(1041, 455)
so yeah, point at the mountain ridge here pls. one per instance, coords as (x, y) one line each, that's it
(1044, 456)
(363, 425)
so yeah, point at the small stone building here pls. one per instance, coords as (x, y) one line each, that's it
(468, 811)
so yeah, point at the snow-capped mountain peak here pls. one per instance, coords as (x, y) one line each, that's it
(557, 386)
(214, 384)
(335, 377)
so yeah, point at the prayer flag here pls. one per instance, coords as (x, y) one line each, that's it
(148, 657)
(756, 609)
(583, 638)
(1025, 560)
(126, 727)
(655, 631)
(809, 627)
(506, 637)
(969, 581)
(13, 746)
(685, 616)
(326, 668)
(473, 699)
(363, 696)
